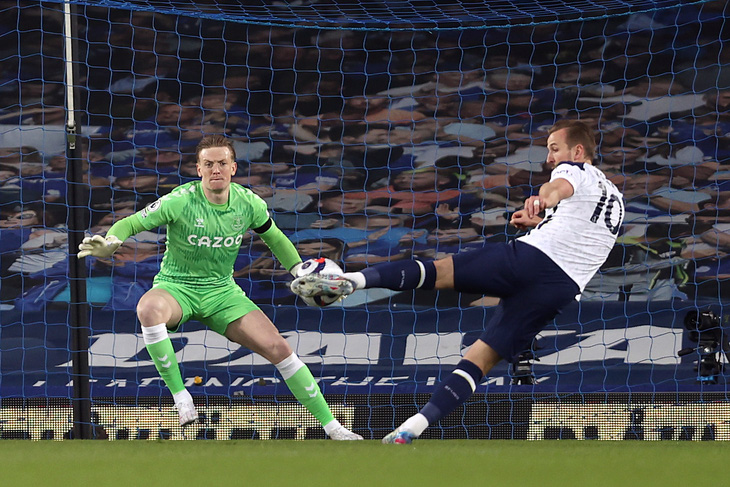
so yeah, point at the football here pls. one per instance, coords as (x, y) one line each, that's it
(323, 266)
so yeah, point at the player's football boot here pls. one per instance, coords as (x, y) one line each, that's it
(399, 437)
(343, 434)
(187, 413)
(318, 284)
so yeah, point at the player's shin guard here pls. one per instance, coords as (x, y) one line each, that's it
(453, 392)
(160, 349)
(401, 275)
(301, 383)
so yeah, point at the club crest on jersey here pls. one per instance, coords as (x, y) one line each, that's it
(237, 223)
(152, 207)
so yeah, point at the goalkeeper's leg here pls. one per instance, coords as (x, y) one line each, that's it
(155, 310)
(257, 333)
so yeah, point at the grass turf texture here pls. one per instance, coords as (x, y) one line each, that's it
(366, 463)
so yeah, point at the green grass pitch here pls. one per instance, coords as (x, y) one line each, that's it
(366, 463)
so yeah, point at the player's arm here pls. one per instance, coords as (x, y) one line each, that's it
(98, 246)
(521, 221)
(280, 245)
(550, 195)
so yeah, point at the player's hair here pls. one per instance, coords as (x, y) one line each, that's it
(577, 132)
(214, 140)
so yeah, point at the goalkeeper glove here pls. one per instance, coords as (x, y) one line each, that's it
(98, 246)
(293, 270)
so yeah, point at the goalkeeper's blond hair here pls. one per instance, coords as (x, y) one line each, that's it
(210, 141)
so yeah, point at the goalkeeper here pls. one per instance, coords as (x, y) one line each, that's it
(206, 221)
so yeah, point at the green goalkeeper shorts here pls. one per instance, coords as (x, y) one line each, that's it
(214, 306)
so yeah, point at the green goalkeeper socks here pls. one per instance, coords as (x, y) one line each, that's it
(160, 349)
(301, 383)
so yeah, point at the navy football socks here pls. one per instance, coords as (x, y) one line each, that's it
(401, 275)
(453, 392)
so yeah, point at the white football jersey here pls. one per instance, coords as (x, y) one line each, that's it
(580, 231)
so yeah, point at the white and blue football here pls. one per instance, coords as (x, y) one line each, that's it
(325, 267)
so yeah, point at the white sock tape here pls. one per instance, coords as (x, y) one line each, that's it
(423, 273)
(468, 378)
(289, 366)
(154, 334)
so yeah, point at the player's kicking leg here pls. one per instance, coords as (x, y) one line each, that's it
(398, 275)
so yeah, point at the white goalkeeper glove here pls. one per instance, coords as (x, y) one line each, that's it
(293, 271)
(98, 246)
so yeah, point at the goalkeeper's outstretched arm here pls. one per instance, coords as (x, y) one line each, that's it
(280, 245)
(103, 247)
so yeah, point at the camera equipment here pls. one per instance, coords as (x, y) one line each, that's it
(522, 368)
(704, 329)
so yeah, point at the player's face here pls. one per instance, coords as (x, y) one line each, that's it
(558, 150)
(215, 168)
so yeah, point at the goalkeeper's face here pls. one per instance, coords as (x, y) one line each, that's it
(215, 168)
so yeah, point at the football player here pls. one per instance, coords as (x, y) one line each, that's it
(206, 220)
(534, 276)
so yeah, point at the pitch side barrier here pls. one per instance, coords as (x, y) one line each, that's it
(522, 416)
(590, 348)
(601, 371)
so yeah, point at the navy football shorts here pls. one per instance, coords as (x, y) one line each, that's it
(533, 289)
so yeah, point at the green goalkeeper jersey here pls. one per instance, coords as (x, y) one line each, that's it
(203, 239)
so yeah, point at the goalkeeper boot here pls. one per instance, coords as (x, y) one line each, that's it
(343, 434)
(316, 285)
(399, 437)
(187, 412)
